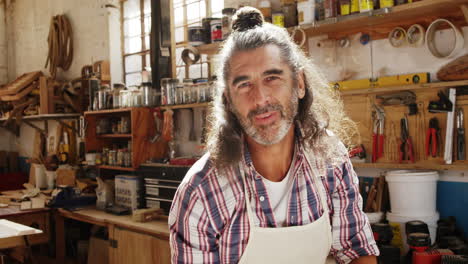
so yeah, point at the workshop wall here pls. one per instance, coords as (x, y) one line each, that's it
(378, 57)
(3, 45)
(23, 32)
(28, 24)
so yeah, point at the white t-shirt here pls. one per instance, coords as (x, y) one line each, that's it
(279, 194)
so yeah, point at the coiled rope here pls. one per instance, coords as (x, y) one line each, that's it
(60, 42)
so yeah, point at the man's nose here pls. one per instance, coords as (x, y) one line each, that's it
(261, 94)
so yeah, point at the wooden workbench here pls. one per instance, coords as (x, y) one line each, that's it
(129, 242)
(37, 218)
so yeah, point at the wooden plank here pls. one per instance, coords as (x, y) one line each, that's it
(21, 94)
(19, 83)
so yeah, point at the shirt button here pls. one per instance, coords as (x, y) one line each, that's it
(262, 198)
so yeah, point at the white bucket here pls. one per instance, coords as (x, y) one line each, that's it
(306, 12)
(430, 220)
(40, 176)
(412, 192)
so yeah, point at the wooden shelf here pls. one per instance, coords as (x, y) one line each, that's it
(165, 165)
(109, 111)
(209, 49)
(378, 23)
(46, 117)
(115, 136)
(107, 167)
(206, 104)
(425, 86)
(422, 166)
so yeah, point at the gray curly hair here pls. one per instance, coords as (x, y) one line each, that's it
(320, 110)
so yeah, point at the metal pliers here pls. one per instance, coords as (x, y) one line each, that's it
(378, 133)
(433, 138)
(406, 146)
(460, 135)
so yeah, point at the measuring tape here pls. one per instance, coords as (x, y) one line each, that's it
(415, 35)
(397, 37)
(186, 55)
(430, 35)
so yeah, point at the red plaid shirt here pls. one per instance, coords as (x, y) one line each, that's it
(209, 223)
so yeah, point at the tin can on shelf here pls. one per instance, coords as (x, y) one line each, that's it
(216, 30)
(120, 157)
(196, 35)
(124, 125)
(164, 86)
(112, 157)
(105, 156)
(278, 19)
(127, 158)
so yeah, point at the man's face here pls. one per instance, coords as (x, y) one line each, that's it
(263, 94)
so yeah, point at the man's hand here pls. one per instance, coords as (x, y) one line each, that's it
(365, 260)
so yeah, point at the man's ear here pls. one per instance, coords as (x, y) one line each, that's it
(300, 84)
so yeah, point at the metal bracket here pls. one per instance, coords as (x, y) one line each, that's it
(40, 130)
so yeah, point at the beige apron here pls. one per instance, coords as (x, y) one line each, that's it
(309, 243)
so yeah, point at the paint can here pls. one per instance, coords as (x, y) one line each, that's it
(196, 36)
(278, 19)
(216, 30)
(366, 5)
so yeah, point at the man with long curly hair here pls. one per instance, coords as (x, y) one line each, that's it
(276, 185)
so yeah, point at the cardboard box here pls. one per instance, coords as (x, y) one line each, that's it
(66, 176)
(127, 191)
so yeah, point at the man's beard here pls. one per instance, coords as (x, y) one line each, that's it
(272, 133)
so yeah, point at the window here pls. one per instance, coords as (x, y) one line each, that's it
(189, 13)
(136, 17)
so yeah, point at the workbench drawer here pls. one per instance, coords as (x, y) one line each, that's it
(39, 221)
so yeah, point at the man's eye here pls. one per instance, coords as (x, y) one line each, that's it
(243, 85)
(271, 78)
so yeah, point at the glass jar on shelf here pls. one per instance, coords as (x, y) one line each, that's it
(120, 158)
(188, 91)
(127, 158)
(112, 159)
(136, 98)
(179, 94)
(125, 98)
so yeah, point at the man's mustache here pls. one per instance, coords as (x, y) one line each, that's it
(265, 109)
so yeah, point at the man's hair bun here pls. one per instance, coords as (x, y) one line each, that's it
(246, 18)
